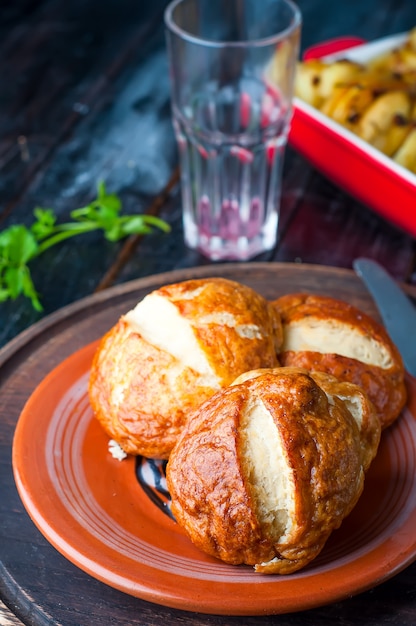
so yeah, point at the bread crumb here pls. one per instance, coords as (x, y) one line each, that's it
(116, 450)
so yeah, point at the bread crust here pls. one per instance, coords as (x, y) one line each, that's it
(210, 473)
(353, 397)
(153, 408)
(142, 394)
(357, 402)
(385, 386)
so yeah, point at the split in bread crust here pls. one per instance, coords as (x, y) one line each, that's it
(266, 469)
(181, 344)
(328, 335)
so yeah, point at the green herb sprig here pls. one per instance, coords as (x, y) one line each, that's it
(19, 244)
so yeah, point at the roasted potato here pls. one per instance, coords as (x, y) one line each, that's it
(406, 153)
(316, 80)
(376, 101)
(384, 123)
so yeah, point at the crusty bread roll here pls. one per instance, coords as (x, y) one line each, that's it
(266, 469)
(177, 347)
(328, 335)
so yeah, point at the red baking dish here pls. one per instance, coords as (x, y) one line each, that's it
(358, 168)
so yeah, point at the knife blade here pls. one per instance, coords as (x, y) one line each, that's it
(396, 310)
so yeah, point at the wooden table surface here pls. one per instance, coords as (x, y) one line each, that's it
(85, 97)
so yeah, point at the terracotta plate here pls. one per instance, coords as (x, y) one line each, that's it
(92, 509)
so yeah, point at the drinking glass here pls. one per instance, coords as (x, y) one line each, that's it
(232, 66)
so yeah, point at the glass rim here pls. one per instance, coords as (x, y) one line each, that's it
(264, 41)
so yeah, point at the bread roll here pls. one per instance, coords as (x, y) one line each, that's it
(177, 347)
(324, 334)
(266, 469)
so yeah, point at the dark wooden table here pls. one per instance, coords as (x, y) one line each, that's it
(85, 96)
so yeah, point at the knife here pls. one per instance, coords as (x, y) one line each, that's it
(396, 310)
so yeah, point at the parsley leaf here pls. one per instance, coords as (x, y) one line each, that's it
(19, 244)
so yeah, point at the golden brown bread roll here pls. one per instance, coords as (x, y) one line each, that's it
(266, 469)
(181, 344)
(328, 335)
